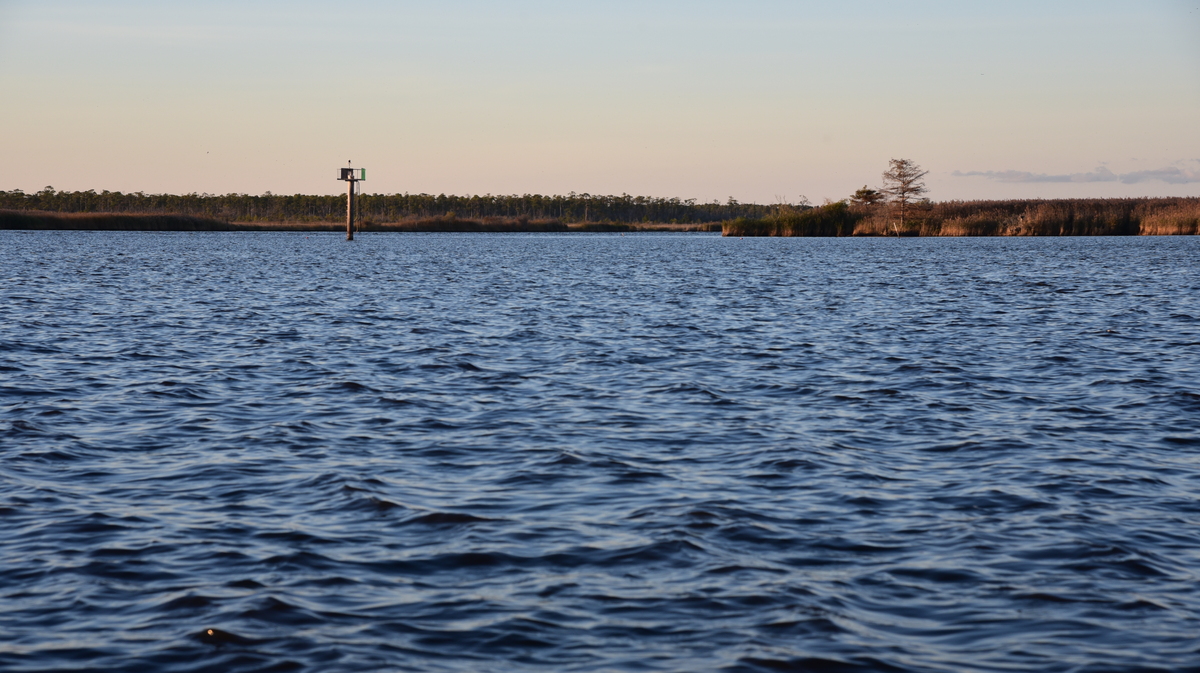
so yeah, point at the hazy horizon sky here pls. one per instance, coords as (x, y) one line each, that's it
(759, 100)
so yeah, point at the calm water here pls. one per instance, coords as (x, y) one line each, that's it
(598, 453)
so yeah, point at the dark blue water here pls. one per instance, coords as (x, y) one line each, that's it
(286, 452)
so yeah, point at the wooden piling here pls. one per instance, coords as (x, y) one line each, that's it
(350, 209)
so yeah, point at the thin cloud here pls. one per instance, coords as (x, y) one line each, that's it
(1170, 175)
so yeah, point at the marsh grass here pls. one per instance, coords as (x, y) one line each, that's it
(12, 219)
(1059, 217)
(602, 227)
(457, 224)
(1181, 220)
(1062, 217)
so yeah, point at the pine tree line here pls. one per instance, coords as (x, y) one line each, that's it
(381, 208)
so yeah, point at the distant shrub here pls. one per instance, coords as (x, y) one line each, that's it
(833, 219)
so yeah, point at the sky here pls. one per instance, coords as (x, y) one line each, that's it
(757, 100)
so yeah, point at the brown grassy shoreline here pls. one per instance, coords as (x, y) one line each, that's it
(50, 221)
(1058, 217)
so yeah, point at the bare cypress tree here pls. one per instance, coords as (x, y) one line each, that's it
(903, 184)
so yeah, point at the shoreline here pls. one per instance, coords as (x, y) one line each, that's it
(1061, 217)
(51, 221)
(1130, 217)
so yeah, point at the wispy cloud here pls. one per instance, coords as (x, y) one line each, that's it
(1170, 175)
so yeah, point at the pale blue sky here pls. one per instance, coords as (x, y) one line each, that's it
(755, 99)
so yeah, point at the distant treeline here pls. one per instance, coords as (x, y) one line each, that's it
(382, 208)
(1057, 217)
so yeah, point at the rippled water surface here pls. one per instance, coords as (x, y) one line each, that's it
(286, 452)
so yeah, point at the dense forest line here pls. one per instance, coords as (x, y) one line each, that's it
(1023, 217)
(383, 208)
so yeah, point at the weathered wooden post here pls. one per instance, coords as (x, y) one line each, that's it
(350, 210)
(352, 176)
